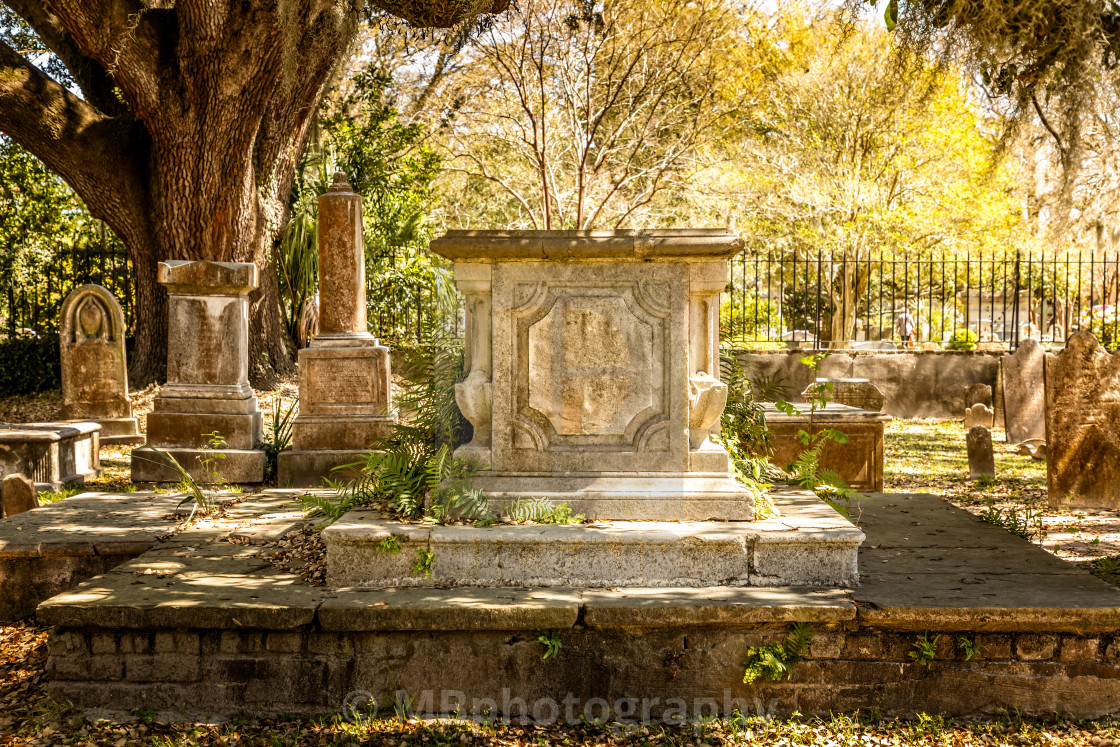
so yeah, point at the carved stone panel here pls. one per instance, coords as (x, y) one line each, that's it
(1023, 393)
(595, 359)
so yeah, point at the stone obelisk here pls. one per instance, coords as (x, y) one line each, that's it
(345, 403)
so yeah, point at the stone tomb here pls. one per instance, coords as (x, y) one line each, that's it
(859, 461)
(592, 360)
(1083, 425)
(345, 401)
(51, 454)
(94, 369)
(207, 390)
(1024, 396)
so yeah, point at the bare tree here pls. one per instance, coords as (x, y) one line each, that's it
(579, 114)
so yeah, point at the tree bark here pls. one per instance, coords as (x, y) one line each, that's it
(192, 124)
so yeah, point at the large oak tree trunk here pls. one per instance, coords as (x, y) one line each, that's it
(192, 121)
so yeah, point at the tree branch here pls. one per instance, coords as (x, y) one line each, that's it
(89, 74)
(97, 155)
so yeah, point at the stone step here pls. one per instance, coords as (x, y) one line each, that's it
(809, 544)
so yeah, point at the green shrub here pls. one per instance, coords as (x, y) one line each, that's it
(963, 339)
(29, 365)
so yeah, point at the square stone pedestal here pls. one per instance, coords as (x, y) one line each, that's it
(344, 408)
(208, 393)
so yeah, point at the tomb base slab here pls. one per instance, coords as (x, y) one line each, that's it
(686, 496)
(306, 469)
(809, 545)
(236, 465)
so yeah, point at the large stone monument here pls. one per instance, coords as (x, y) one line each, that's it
(592, 360)
(207, 394)
(94, 369)
(1024, 396)
(1083, 425)
(345, 402)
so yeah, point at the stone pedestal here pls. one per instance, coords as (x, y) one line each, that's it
(593, 359)
(207, 390)
(345, 401)
(94, 369)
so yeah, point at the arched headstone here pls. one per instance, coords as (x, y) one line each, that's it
(94, 366)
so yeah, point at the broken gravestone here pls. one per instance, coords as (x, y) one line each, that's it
(1083, 425)
(981, 456)
(978, 414)
(1024, 395)
(17, 495)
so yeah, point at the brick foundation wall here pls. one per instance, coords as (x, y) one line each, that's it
(226, 673)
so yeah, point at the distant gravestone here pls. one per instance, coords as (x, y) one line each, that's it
(1083, 425)
(981, 456)
(858, 393)
(978, 415)
(1024, 395)
(978, 394)
(94, 369)
(17, 495)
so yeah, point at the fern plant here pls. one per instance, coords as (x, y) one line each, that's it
(412, 470)
(773, 662)
(540, 511)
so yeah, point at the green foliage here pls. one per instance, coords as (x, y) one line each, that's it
(297, 253)
(392, 167)
(970, 648)
(390, 545)
(412, 470)
(30, 364)
(277, 435)
(925, 650)
(1028, 525)
(754, 319)
(550, 639)
(422, 566)
(773, 662)
(963, 339)
(806, 471)
(540, 511)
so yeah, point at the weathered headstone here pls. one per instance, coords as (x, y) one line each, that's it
(858, 393)
(592, 362)
(977, 394)
(1024, 396)
(207, 396)
(17, 494)
(94, 369)
(1083, 425)
(978, 415)
(981, 456)
(345, 399)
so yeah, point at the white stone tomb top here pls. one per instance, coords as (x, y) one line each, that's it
(28, 432)
(669, 244)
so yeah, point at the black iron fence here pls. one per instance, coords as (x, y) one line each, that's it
(31, 297)
(787, 300)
